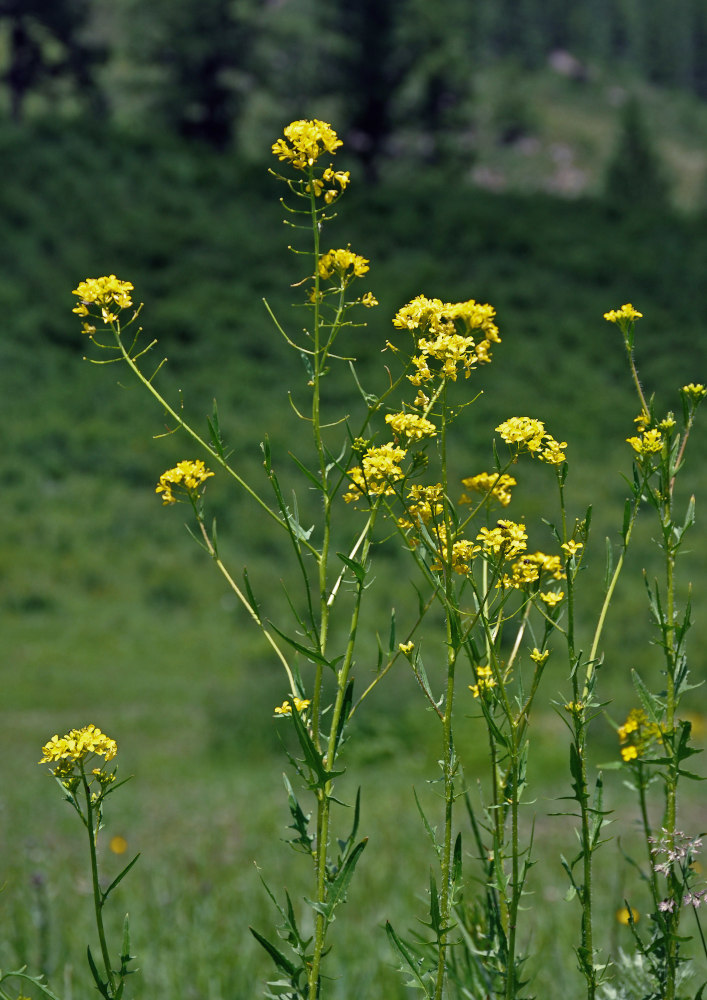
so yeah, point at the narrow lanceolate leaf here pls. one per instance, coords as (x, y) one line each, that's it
(356, 568)
(312, 757)
(118, 879)
(338, 888)
(101, 986)
(407, 956)
(280, 960)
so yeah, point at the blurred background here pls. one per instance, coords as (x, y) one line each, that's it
(548, 158)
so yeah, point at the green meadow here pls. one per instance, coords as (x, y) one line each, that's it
(112, 614)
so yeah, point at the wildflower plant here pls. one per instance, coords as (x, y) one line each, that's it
(78, 763)
(508, 609)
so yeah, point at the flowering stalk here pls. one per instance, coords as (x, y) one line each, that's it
(86, 791)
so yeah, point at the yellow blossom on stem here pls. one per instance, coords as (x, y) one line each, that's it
(508, 539)
(693, 391)
(527, 432)
(410, 426)
(462, 553)
(406, 647)
(369, 300)
(301, 705)
(552, 451)
(104, 293)
(625, 313)
(552, 597)
(648, 443)
(187, 476)
(342, 262)
(539, 657)
(572, 547)
(637, 734)
(494, 486)
(380, 467)
(305, 141)
(77, 745)
(484, 681)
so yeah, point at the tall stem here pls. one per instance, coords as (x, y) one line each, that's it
(92, 823)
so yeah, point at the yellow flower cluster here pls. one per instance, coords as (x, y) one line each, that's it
(625, 313)
(342, 262)
(341, 177)
(530, 434)
(188, 476)
(494, 486)
(410, 426)
(426, 505)
(463, 551)
(77, 745)
(539, 657)
(369, 300)
(379, 468)
(305, 141)
(637, 734)
(693, 391)
(443, 335)
(484, 681)
(648, 443)
(552, 598)
(301, 704)
(529, 568)
(508, 539)
(106, 293)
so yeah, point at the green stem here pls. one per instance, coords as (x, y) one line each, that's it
(92, 825)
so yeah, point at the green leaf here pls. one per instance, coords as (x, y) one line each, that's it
(430, 832)
(118, 879)
(101, 986)
(356, 568)
(337, 891)
(652, 705)
(407, 955)
(313, 758)
(278, 958)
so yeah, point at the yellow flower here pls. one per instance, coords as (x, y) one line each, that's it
(539, 657)
(104, 293)
(342, 262)
(493, 485)
(626, 313)
(410, 426)
(552, 598)
(406, 647)
(625, 916)
(694, 391)
(444, 330)
(484, 681)
(637, 734)
(301, 704)
(648, 443)
(305, 141)
(552, 451)
(188, 476)
(379, 468)
(572, 547)
(369, 300)
(77, 745)
(524, 431)
(508, 539)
